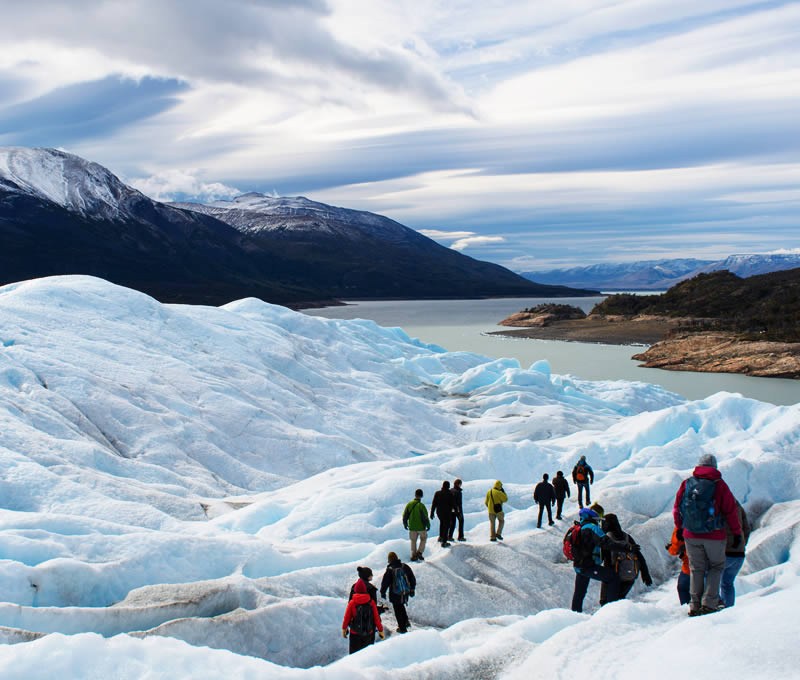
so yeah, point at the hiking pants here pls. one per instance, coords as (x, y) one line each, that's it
(559, 506)
(598, 573)
(624, 588)
(400, 613)
(358, 642)
(459, 517)
(706, 558)
(422, 536)
(542, 506)
(683, 588)
(445, 522)
(727, 593)
(500, 522)
(581, 487)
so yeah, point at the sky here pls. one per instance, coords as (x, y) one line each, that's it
(532, 134)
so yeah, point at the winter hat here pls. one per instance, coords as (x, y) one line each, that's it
(418, 493)
(392, 557)
(611, 524)
(498, 484)
(364, 572)
(559, 474)
(598, 509)
(587, 513)
(707, 460)
(361, 587)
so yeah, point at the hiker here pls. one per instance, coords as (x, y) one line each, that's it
(627, 564)
(365, 576)
(415, 520)
(734, 558)
(399, 581)
(702, 506)
(362, 617)
(495, 498)
(583, 476)
(442, 506)
(587, 546)
(458, 512)
(545, 496)
(677, 547)
(561, 487)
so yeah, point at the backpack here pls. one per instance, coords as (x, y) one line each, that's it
(697, 506)
(580, 472)
(400, 585)
(626, 564)
(573, 549)
(363, 621)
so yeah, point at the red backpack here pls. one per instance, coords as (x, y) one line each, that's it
(573, 550)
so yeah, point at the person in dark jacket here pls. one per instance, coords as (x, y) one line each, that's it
(611, 527)
(589, 565)
(706, 547)
(365, 575)
(360, 639)
(458, 512)
(561, 487)
(390, 584)
(442, 505)
(583, 476)
(734, 559)
(545, 496)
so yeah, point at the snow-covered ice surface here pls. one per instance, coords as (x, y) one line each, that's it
(186, 492)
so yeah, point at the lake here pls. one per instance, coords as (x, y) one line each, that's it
(463, 324)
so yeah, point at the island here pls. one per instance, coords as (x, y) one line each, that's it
(717, 323)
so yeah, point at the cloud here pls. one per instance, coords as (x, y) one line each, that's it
(438, 235)
(175, 185)
(464, 243)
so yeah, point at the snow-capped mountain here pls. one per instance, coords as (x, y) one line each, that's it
(61, 214)
(661, 274)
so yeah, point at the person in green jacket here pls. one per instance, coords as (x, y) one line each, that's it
(415, 520)
(495, 498)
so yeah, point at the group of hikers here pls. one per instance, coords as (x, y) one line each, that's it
(711, 531)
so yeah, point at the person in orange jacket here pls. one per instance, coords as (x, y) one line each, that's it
(362, 618)
(678, 548)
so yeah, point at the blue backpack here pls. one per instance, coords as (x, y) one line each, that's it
(697, 506)
(400, 585)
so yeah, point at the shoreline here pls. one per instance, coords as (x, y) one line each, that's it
(643, 332)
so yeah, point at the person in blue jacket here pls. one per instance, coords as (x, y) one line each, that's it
(588, 563)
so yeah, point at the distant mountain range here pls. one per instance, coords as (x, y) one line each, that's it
(661, 274)
(61, 214)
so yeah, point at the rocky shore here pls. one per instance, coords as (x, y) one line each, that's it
(606, 330)
(720, 352)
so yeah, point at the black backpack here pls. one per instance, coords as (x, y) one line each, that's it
(626, 564)
(697, 506)
(363, 622)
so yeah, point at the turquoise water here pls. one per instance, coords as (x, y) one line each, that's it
(463, 324)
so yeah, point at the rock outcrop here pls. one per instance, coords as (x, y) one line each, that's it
(543, 315)
(721, 352)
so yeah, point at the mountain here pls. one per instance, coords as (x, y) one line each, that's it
(353, 253)
(61, 214)
(661, 274)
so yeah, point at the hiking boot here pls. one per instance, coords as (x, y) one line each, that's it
(707, 610)
(499, 537)
(694, 612)
(462, 539)
(551, 523)
(492, 539)
(445, 545)
(420, 558)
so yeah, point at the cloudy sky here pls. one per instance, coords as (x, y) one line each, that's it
(535, 133)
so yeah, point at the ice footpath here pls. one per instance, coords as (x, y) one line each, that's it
(186, 493)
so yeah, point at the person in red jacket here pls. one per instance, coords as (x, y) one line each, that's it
(362, 618)
(702, 506)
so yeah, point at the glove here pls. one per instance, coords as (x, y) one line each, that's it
(648, 581)
(679, 534)
(405, 526)
(344, 632)
(411, 594)
(737, 541)
(667, 546)
(381, 635)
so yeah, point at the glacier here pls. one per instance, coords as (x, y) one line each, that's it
(186, 491)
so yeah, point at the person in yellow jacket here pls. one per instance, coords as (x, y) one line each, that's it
(495, 498)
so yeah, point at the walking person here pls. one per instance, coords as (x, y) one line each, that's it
(561, 487)
(365, 576)
(702, 506)
(677, 547)
(398, 580)
(442, 506)
(588, 558)
(583, 476)
(458, 512)
(628, 564)
(415, 520)
(495, 498)
(734, 558)
(545, 496)
(362, 619)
